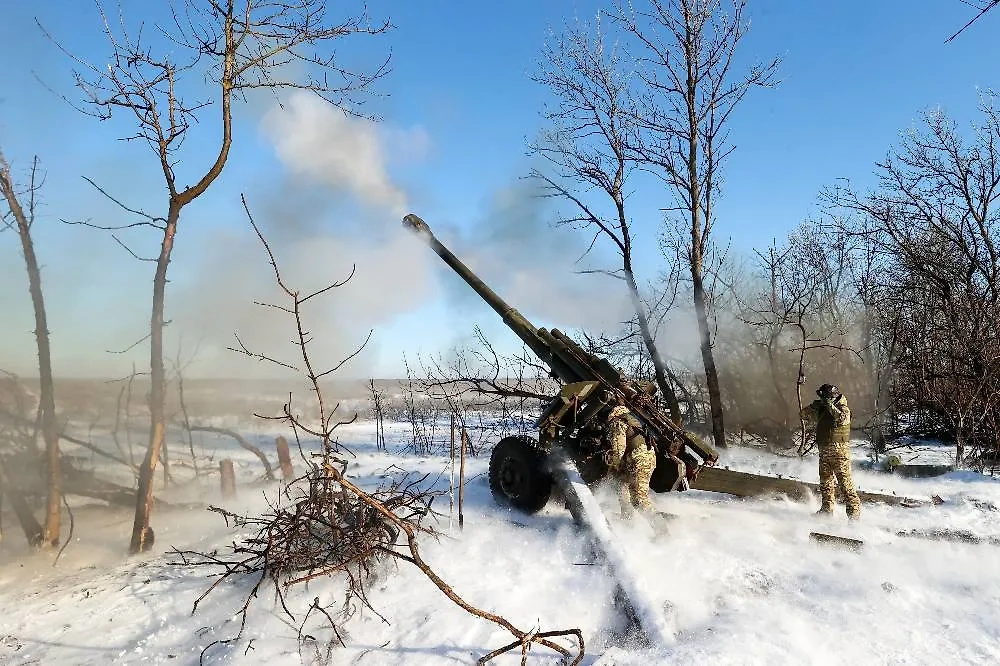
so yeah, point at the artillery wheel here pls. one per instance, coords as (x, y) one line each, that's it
(518, 476)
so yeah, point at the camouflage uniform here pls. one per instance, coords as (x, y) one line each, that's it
(630, 460)
(833, 439)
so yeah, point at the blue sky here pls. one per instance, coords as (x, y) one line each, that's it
(457, 110)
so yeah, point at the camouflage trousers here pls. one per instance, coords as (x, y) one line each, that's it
(834, 471)
(631, 462)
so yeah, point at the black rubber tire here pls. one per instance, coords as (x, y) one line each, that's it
(518, 475)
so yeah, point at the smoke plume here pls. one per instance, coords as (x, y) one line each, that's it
(319, 142)
(335, 215)
(536, 266)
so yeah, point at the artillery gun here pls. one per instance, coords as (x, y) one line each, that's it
(575, 419)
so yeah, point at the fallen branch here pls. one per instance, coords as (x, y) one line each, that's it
(242, 441)
(954, 535)
(834, 540)
(20, 420)
(321, 530)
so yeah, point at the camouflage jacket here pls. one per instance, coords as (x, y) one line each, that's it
(832, 419)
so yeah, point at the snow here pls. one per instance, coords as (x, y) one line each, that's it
(737, 581)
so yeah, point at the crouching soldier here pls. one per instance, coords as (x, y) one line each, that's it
(832, 417)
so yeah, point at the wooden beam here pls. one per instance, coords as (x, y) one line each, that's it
(834, 540)
(744, 484)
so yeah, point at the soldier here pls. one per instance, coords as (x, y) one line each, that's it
(833, 438)
(630, 459)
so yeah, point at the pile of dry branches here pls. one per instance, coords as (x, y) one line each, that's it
(318, 528)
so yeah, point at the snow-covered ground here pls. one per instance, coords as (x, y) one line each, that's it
(739, 581)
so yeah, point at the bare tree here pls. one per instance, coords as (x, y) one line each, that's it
(810, 277)
(22, 217)
(982, 6)
(503, 392)
(878, 322)
(801, 317)
(586, 152)
(934, 219)
(237, 47)
(768, 313)
(690, 92)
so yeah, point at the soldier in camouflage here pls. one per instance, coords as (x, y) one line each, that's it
(832, 417)
(630, 460)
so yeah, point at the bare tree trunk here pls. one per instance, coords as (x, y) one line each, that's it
(284, 459)
(589, 143)
(157, 390)
(772, 363)
(47, 402)
(228, 477)
(688, 47)
(708, 359)
(772, 340)
(798, 388)
(659, 367)
(699, 233)
(960, 442)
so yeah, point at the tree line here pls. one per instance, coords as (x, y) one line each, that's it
(889, 292)
(892, 290)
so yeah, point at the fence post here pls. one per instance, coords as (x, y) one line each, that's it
(451, 475)
(228, 478)
(285, 459)
(461, 480)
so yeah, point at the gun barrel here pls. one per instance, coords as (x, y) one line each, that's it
(515, 320)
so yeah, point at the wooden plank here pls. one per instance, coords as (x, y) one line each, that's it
(744, 484)
(834, 540)
(228, 478)
(284, 459)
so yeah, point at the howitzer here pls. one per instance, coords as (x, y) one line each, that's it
(576, 418)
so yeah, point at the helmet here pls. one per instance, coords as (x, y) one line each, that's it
(827, 391)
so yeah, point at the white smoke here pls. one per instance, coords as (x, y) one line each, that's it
(318, 141)
(339, 211)
(535, 265)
